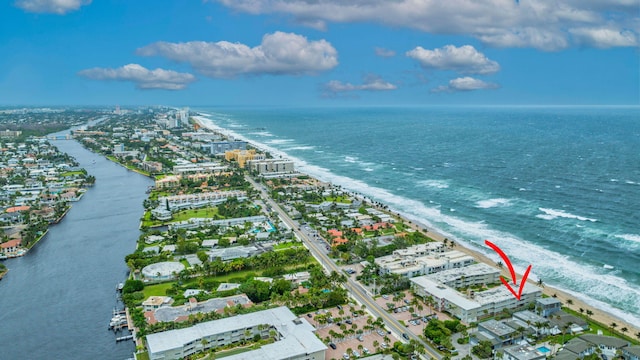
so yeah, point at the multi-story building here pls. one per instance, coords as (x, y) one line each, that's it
(189, 201)
(294, 337)
(220, 147)
(271, 166)
(469, 307)
(409, 264)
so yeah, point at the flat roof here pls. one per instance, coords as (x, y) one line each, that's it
(442, 291)
(524, 352)
(501, 293)
(297, 335)
(479, 269)
(496, 327)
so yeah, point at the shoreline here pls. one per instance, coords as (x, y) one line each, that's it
(601, 316)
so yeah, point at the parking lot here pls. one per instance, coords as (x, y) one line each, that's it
(343, 332)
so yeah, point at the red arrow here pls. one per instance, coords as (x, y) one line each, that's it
(504, 257)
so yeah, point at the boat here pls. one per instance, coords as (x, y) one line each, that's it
(607, 266)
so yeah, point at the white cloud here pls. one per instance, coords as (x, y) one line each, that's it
(465, 84)
(541, 24)
(464, 59)
(142, 77)
(604, 37)
(382, 52)
(59, 7)
(279, 54)
(370, 83)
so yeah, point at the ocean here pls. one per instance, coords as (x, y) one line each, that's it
(554, 187)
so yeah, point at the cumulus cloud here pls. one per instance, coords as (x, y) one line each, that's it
(279, 54)
(464, 59)
(59, 7)
(142, 77)
(540, 24)
(370, 83)
(604, 37)
(382, 52)
(465, 84)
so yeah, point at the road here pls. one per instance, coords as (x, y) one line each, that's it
(356, 290)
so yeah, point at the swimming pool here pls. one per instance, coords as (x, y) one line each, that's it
(544, 349)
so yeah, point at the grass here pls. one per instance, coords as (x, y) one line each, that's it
(181, 216)
(71, 173)
(233, 352)
(142, 356)
(157, 289)
(286, 245)
(338, 199)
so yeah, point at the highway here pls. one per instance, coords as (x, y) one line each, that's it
(355, 289)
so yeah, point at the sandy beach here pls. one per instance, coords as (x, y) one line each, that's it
(599, 315)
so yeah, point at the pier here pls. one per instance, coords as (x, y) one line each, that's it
(124, 338)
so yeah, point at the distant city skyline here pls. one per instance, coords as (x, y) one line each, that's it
(320, 53)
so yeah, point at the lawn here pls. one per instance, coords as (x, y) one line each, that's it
(338, 199)
(71, 173)
(287, 245)
(142, 356)
(222, 354)
(195, 213)
(157, 289)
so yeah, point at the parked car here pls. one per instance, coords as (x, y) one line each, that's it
(332, 345)
(405, 336)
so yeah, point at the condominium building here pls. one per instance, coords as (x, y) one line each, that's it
(189, 201)
(410, 263)
(220, 147)
(294, 337)
(469, 307)
(271, 166)
(242, 156)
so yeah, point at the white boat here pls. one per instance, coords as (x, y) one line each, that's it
(607, 266)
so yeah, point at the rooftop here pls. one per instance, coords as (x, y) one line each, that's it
(297, 334)
(523, 352)
(442, 291)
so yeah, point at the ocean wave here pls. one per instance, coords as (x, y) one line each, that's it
(368, 169)
(279, 141)
(587, 282)
(490, 203)
(550, 214)
(630, 237)
(438, 184)
(302, 147)
(350, 159)
(262, 133)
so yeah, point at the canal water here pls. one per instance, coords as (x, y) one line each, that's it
(56, 302)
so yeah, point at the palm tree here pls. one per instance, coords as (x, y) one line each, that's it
(589, 313)
(500, 264)
(581, 311)
(624, 330)
(569, 302)
(612, 326)
(540, 283)
(638, 335)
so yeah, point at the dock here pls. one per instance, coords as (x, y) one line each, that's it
(124, 338)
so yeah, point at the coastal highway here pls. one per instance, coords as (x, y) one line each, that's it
(355, 289)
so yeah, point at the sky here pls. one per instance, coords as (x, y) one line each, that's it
(319, 52)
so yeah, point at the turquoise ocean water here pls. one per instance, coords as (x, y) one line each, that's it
(558, 188)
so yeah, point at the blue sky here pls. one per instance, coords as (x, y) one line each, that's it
(319, 52)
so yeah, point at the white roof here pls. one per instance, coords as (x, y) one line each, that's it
(297, 337)
(442, 291)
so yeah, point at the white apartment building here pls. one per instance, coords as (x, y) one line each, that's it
(295, 339)
(421, 261)
(268, 166)
(189, 201)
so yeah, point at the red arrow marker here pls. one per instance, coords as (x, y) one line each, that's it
(504, 257)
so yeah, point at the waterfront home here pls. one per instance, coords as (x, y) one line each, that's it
(522, 352)
(156, 302)
(11, 247)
